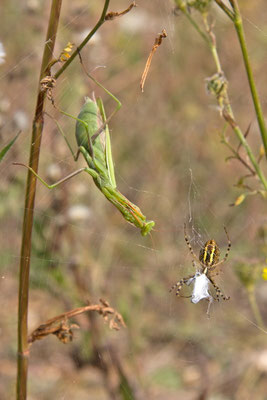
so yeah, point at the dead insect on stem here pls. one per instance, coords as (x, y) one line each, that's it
(112, 15)
(157, 43)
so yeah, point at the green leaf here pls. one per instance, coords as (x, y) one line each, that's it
(7, 147)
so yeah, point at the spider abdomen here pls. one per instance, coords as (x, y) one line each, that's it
(210, 254)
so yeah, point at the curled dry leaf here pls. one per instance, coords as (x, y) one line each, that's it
(63, 329)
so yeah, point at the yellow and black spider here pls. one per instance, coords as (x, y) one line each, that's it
(209, 261)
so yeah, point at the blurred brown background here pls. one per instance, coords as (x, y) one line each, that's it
(168, 160)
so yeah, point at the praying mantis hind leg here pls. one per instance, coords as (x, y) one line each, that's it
(90, 171)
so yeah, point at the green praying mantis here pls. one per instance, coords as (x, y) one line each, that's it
(93, 140)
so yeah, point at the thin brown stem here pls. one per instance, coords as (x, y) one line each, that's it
(22, 359)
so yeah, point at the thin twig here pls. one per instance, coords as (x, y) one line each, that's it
(100, 22)
(245, 136)
(237, 156)
(85, 41)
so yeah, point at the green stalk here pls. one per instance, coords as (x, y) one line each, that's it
(257, 105)
(23, 352)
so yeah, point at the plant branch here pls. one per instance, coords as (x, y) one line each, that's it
(236, 155)
(225, 9)
(257, 105)
(246, 146)
(59, 325)
(22, 358)
(85, 41)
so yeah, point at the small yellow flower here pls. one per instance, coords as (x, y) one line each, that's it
(264, 273)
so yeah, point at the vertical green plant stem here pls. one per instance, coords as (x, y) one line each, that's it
(257, 105)
(254, 307)
(22, 358)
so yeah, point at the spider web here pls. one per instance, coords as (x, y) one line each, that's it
(169, 161)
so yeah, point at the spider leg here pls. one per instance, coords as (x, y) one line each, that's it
(226, 254)
(213, 273)
(189, 245)
(180, 284)
(218, 291)
(210, 300)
